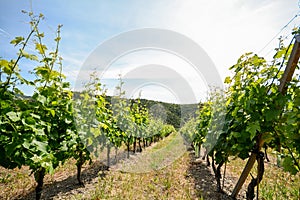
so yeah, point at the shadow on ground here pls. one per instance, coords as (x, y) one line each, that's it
(51, 190)
(70, 185)
(205, 184)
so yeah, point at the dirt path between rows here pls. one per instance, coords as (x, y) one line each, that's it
(187, 178)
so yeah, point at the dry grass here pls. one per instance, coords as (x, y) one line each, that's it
(180, 179)
(169, 183)
(155, 157)
(15, 183)
(276, 184)
(158, 173)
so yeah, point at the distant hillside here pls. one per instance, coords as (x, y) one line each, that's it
(175, 113)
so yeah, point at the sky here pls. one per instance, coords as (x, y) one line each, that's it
(183, 49)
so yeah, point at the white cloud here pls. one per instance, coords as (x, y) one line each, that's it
(140, 68)
(225, 29)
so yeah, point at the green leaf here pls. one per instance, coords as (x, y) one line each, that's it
(104, 126)
(252, 128)
(42, 70)
(17, 40)
(41, 48)
(227, 80)
(67, 121)
(41, 98)
(288, 165)
(50, 168)
(41, 35)
(52, 112)
(28, 56)
(267, 137)
(42, 146)
(236, 134)
(36, 159)
(5, 66)
(4, 63)
(26, 145)
(35, 116)
(13, 116)
(57, 39)
(30, 120)
(89, 141)
(280, 53)
(272, 114)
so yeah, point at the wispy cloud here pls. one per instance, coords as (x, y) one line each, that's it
(4, 33)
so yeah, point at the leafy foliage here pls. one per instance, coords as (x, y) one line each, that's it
(38, 132)
(255, 110)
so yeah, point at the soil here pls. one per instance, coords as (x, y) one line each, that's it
(193, 172)
(199, 176)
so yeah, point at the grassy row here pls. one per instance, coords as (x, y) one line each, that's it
(276, 184)
(163, 180)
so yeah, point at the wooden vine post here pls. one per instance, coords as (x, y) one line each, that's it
(291, 66)
(287, 77)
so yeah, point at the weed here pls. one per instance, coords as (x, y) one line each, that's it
(5, 178)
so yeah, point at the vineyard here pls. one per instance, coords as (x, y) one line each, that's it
(254, 119)
(259, 109)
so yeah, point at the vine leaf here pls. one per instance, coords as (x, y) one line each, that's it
(252, 128)
(272, 114)
(17, 40)
(288, 165)
(42, 146)
(227, 80)
(13, 116)
(41, 48)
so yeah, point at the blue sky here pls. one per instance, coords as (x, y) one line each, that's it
(224, 29)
